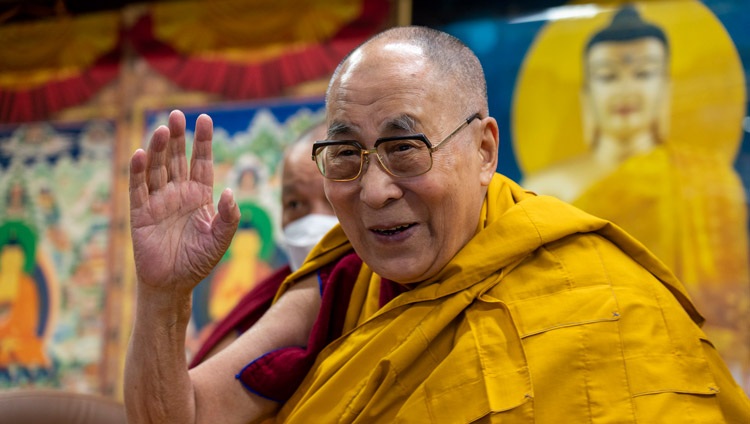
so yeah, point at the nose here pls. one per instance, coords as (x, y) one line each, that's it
(378, 188)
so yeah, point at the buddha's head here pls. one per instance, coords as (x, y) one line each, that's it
(626, 86)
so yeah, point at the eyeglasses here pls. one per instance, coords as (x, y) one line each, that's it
(401, 156)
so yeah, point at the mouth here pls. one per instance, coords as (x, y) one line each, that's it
(625, 110)
(390, 231)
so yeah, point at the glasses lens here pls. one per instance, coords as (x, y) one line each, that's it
(339, 161)
(406, 157)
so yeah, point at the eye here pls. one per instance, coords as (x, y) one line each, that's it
(292, 204)
(342, 151)
(403, 147)
(400, 147)
(646, 73)
(605, 76)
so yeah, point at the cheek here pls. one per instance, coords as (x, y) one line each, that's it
(442, 198)
(290, 215)
(321, 206)
(340, 199)
(316, 199)
(600, 99)
(653, 95)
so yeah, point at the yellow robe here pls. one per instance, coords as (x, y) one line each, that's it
(547, 315)
(688, 207)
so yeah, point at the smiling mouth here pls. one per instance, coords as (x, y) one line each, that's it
(393, 230)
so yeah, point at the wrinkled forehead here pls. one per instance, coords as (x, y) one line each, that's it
(381, 51)
(381, 62)
(389, 85)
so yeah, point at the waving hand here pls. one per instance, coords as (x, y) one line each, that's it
(178, 236)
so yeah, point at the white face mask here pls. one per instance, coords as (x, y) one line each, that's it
(302, 235)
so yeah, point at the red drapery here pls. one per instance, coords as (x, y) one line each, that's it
(50, 65)
(40, 102)
(238, 79)
(237, 72)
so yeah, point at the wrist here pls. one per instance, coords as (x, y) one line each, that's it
(162, 304)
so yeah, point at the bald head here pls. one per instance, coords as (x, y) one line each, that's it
(301, 182)
(298, 153)
(453, 63)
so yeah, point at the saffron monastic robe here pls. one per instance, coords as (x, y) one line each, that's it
(688, 207)
(547, 315)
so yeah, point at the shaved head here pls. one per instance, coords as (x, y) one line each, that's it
(301, 183)
(453, 62)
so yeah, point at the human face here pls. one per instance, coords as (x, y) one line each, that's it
(627, 86)
(407, 229)
(302, 185)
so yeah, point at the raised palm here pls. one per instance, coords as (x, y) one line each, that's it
(178, 236)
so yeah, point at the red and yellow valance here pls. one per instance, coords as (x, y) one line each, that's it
(239, 49)
(244, 50)
(49, 65)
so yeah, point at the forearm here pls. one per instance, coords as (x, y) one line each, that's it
(157, 387)
(287, 323)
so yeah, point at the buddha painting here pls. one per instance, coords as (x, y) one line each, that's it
(22, 308)
(641, 166)
(624, 98)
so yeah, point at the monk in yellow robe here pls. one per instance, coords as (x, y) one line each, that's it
(512, 307)
(551, 327)
(684, 202)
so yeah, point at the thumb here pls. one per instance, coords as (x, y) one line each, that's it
(225, 222)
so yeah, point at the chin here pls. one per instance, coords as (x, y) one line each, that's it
(402, 265)
(397, 272)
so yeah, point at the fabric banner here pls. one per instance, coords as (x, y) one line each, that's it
(55, 213)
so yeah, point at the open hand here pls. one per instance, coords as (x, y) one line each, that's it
(178, 236)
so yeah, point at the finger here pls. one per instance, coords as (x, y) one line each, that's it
(176, 160)
(156, 171)
(201, 162)
(225, 222)
(137, 186)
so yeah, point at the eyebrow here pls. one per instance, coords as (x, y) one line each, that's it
(338, 128)
(400, 123)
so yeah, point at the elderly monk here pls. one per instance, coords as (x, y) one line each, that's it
(446, 294)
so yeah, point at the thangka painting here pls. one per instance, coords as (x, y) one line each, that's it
(637, 112)
(248, 144)
(55, 184)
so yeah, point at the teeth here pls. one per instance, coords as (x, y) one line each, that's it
(393, 230)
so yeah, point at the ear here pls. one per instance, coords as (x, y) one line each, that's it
(488, 149)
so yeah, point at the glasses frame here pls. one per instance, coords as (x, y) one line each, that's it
(364, 153)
